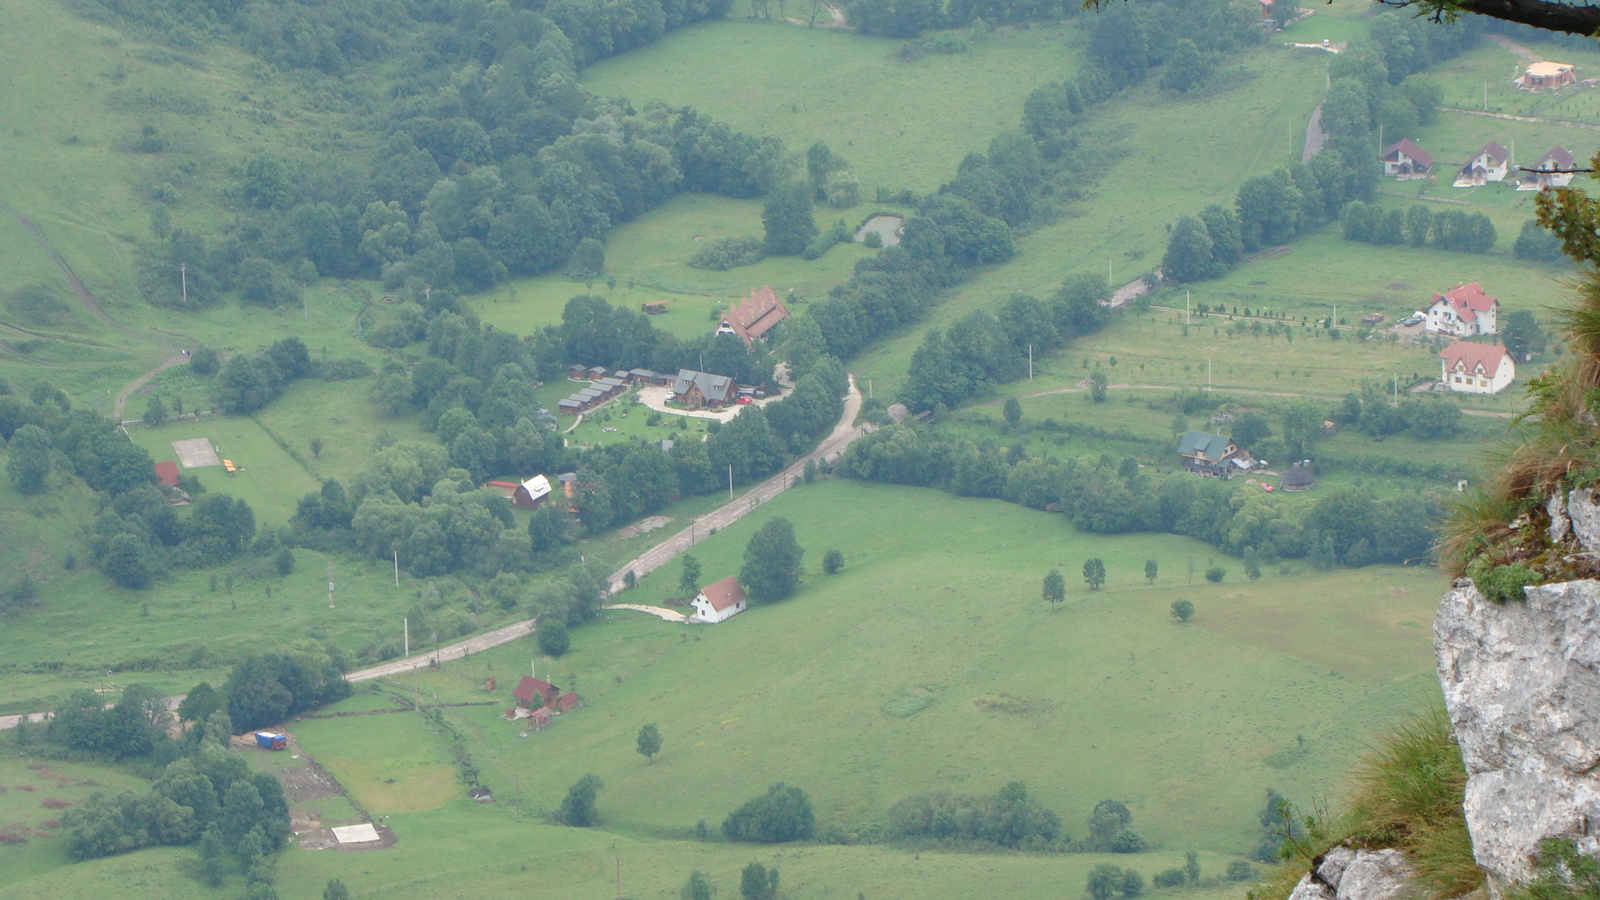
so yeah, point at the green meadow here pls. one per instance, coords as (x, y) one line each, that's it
(928, 662)
(904, 125)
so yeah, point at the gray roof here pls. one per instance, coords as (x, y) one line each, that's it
(1298, 476)
(570, 402)
(716, 388)
(643, 373)
(611, 382)
(590, 392)
(1212, 446)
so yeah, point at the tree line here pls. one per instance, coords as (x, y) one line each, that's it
(1350, 528)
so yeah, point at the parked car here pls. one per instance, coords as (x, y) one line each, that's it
(742, 398)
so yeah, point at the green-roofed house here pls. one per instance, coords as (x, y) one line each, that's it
(1213, 455)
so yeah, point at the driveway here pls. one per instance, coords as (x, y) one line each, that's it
(655, 396)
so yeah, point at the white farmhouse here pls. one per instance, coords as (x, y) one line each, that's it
(1489, 164)
(718, 602)
(1553, 170)
(1476, 368)
(1463, 311)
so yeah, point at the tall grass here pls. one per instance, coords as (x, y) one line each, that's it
(1406, 794)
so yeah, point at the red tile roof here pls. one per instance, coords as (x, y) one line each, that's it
(567, 702)
(1409, 149)
(725, 593)
(167, 473)
(1469, 356)
(1467, 300)
(529, 687)
(757, 314)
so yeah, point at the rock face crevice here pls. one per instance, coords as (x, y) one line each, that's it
(1522, 686)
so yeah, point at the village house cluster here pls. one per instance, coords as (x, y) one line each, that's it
(1405, 161)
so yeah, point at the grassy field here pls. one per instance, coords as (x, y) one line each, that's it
(33, 796)
(902, 124)
(928, 662)
(648, 258)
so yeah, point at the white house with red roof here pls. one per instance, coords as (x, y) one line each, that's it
(1405, 161)
(1463, 311)
(718, 602)
(753, 318)
(1476, 368)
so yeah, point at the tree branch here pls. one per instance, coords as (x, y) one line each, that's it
(1551, 16)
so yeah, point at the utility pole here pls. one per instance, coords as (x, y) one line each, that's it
(1334, 322)
(1208, 374)
(183, 273)
(518, 779)
(397, 568)
(1110, 279)
(330, 584)
(1185, 307)
(619, 878)
(730, 481)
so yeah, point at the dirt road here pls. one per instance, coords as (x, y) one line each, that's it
(84, 297)
(141, 381)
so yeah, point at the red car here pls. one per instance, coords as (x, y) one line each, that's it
(742, 398)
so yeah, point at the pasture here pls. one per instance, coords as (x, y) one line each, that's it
(33, 797)
(648, 260)
(929, 661)
(269, 479)
(814, 84)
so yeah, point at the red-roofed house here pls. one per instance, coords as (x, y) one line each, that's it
(167, 473)
(1463, 311)
(719, 601)
(1406, 161)
(1553, 170)
(566, 702)
(530, 689)
(1476, 368)
(753, 318)
(539, 718)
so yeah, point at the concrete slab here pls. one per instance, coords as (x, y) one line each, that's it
(196, 453)
(356, 834)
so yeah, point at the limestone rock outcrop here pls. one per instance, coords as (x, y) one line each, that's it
(1522, 686)
(1348, 874)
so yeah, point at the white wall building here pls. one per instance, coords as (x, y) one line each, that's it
(1476, 368)
(1463, 311)
(718, 602)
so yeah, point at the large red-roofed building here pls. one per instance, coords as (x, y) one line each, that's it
(1463, 311)
(1476, 368)
(752, 319)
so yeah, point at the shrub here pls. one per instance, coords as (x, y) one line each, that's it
(1182, 610)
(1215, 574)
(832, 562)
(1502, 584)
(1168, 878)
(726, 253)
(553, 637)
(1239, 870)
(780, 815)
(284, 561)
(577, 808)
(205, 360)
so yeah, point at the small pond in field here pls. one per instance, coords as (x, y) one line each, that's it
(887, 227)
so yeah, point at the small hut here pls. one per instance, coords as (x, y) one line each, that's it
(1298, 478)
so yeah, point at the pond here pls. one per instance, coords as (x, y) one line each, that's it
(887, 227)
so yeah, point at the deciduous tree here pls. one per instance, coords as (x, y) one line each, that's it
(1055, 588)
(772, 558)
